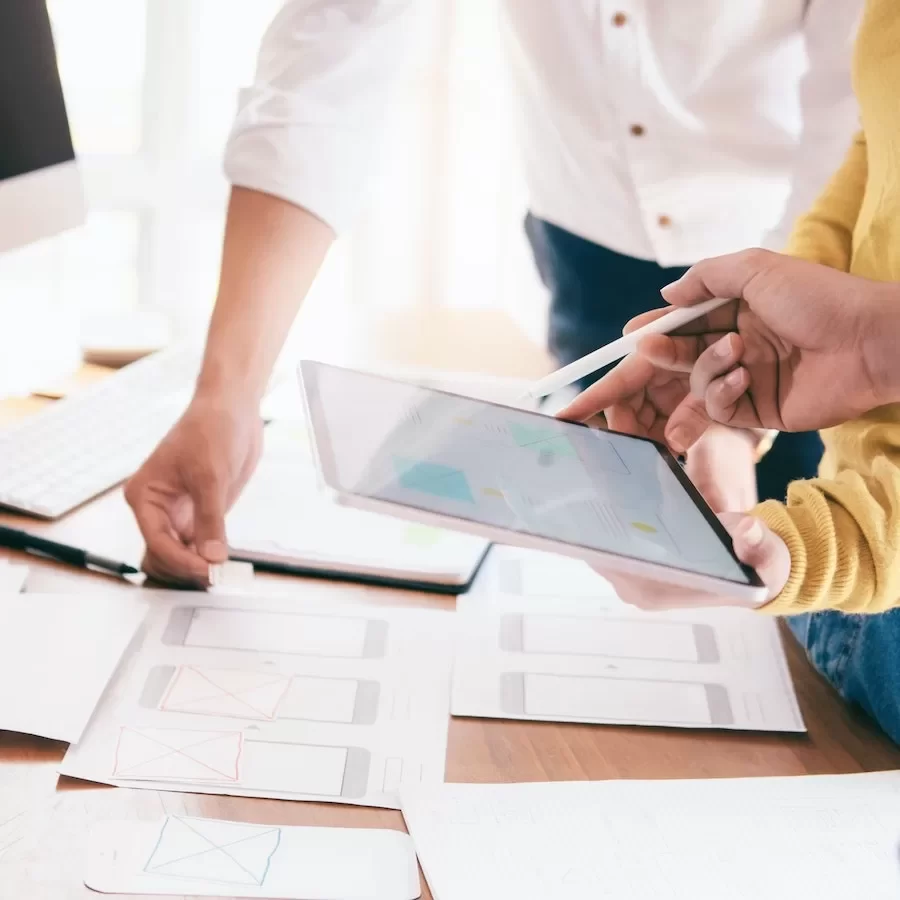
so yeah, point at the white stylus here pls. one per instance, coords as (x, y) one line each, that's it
(620, 348)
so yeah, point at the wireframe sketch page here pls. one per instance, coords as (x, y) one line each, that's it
(273, 697)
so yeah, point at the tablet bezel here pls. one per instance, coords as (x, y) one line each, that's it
(753, 593)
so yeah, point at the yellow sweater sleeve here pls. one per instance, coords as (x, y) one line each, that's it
(825, 234)
(843, 532)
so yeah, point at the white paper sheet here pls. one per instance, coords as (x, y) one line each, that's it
(12, 577)
(828, 837)
(27, 796)
(272, 697)
(283, 517)
(57, 654)
(581, 655)
(211, 858)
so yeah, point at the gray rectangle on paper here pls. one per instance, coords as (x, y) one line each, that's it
(301, 634)
(596, 699)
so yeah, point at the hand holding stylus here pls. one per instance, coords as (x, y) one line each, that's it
(758, 362)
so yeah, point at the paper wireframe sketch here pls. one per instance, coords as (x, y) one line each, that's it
(249, 694)
(176, 754)
(12, 577)
(27, 796)
(208, 857)
(594, 659)
(266, 525)
(225, 692)
(828, 837)
(57, 654)
(276, 697)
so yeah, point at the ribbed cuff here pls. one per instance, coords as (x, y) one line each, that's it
(776, 517)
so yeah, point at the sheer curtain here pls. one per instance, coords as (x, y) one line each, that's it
(151, 94)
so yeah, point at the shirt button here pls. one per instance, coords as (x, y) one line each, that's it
(619, 19)
(637, 130)
(663, 221)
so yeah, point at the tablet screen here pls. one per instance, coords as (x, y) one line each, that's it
(512, 469)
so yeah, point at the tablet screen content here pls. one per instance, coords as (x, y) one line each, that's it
(512, 469)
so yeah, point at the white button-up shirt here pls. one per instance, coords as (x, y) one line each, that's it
(662, 129)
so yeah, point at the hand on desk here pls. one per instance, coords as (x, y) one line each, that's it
(182, 492)
(804, 347)
(755, 544)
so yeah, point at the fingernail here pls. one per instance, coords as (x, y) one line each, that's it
(214, 551)
(754, 534)
(678, 440)
(722, 348)
(733, 379)
(670, 285)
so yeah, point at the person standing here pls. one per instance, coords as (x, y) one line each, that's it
(653, 134)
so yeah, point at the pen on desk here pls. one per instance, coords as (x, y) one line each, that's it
(14, 539)
(618, 349)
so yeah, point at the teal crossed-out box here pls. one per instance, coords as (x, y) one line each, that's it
(433, 478)
(211, 850)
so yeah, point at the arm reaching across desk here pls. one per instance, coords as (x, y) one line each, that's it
(297, 158)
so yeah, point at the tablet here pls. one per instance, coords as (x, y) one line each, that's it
(517, 477)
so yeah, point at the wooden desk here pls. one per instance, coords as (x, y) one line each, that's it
(839, 739)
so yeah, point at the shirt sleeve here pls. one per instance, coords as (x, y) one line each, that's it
(843, 533)
(829, 110)
(308, 127)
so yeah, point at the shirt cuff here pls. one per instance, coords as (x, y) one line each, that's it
(318, 167)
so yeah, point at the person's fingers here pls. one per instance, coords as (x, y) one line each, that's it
(652, 596)
(724, 398)
(624, 419)
(167, 558)
(669, 353)
(712, 494)
(645, 319)
(757, 546)
(630, 376)
(723, 276)
(687, 424)
(715, 361)
(687, 353)
(158, 572)
(209, 519)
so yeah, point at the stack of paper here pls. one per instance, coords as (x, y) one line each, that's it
(827, 837)
(282, 520)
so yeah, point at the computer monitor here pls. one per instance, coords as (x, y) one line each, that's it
(41, 192)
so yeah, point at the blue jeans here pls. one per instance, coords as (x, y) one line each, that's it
(860, 656)
(594, 291)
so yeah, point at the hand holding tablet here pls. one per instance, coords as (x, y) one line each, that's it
(621, 503)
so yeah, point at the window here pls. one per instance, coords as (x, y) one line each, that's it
(151, 97)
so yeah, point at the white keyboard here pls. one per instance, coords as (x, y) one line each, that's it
(85, 444)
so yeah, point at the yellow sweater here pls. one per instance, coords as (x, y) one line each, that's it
(843, 528)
